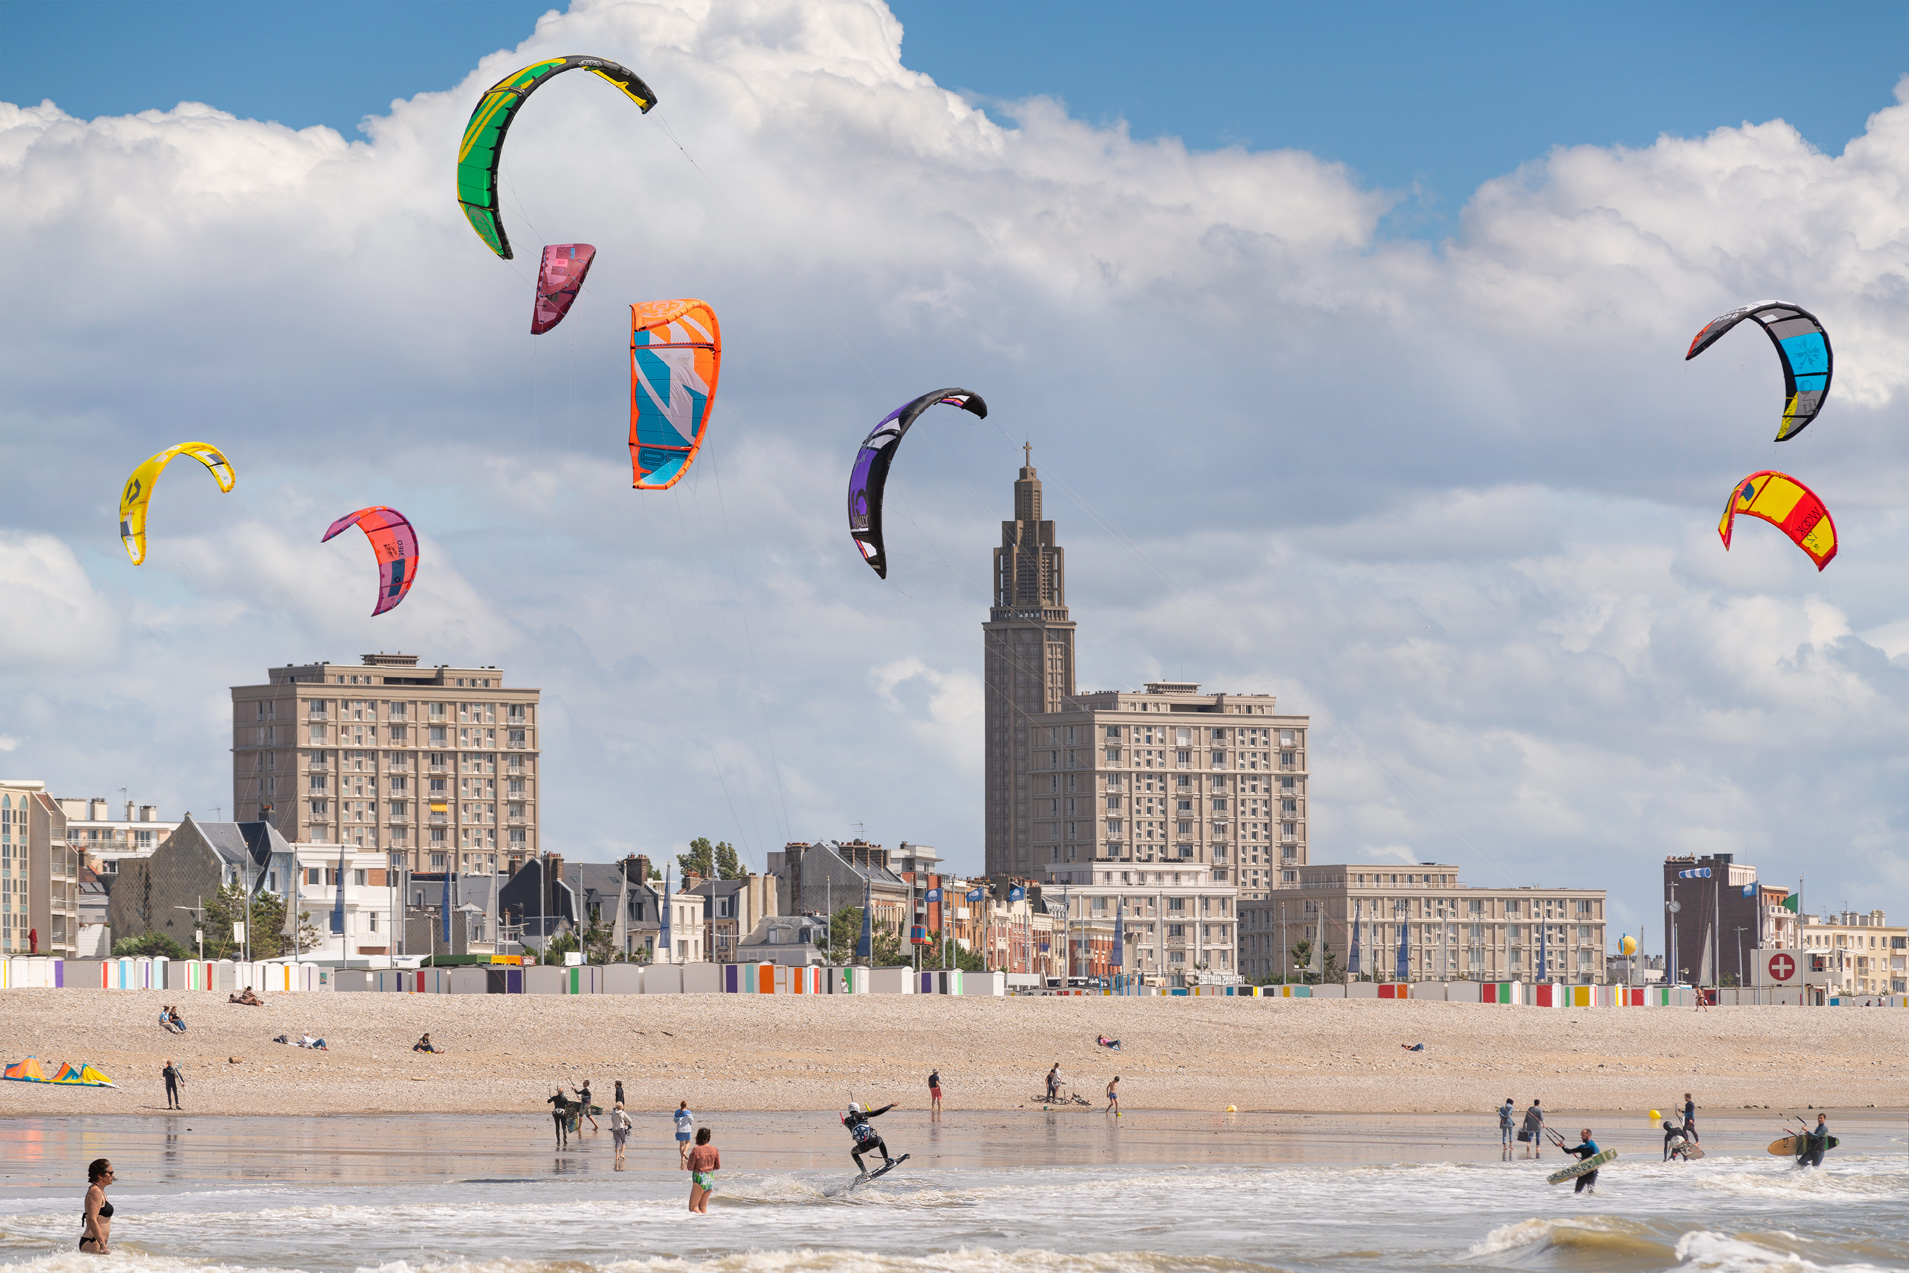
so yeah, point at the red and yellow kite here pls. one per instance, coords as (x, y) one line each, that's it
(1788, 505)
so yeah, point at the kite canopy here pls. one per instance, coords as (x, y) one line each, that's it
(94, 1078)
(1788, 505)
(676, 353)
(483, 142)
(27, 1071)
(396, 546)
(559, 279)
(67, 1074)
(138, 492)
(869, 478)
(1802, 346)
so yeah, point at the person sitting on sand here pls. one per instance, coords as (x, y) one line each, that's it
(247, 998)
(178, 1022)
(1112, 1045)
(425, 1045)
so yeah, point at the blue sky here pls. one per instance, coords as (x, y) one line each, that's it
(1429, 99)
(1457, 500)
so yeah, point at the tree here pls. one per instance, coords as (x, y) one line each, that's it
(557, 947)
(152, 945)
(1302, 957)
(711, 861)
(967, 960)
(227, 907)
(597, 948)
(845, 930)
(1332, 963)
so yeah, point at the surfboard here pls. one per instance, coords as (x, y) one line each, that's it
(1582, 1167)
(1688, 1148)
(1793, 1146)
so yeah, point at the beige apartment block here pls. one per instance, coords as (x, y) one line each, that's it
(436, 766)
(1209, 782)
(1453, 931)
(106, 840)
(39, 873)
(1862, 954)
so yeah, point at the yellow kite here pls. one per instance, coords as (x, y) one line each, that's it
(138, 492)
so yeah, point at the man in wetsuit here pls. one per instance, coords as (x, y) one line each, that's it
(1587, 1183)
(1675, 1141)
(1690, 1120)
(1815, 1141)
(1507, 1126)
(559, 1110)
(867, 1139)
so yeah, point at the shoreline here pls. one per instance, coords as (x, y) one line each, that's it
(746, 1053)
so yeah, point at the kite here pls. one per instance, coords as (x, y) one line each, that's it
(1788, 505)
(133, 500)
(396, 546)
(676, 351)
(1802, 346)
(870, 476)
(559, 279)
(483, 142)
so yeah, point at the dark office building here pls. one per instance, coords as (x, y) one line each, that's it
(1711, 919)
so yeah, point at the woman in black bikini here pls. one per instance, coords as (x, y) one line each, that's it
(96, 1220)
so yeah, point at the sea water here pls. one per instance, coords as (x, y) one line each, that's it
(1042, 1192)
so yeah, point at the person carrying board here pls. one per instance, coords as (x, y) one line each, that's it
(1587, 1183)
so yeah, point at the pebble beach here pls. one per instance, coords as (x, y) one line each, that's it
(746, 1052)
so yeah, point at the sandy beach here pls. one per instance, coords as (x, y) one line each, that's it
(724, 1052)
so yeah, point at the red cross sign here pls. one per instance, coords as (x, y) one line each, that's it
(1782, 967)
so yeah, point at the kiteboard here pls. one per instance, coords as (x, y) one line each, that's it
(1690, 1149)
(876, 1174)
(1581, 1168)
(1793, 1146)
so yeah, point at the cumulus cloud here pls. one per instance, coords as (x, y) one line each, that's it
(1456, 500)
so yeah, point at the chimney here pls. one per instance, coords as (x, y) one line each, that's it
(129, 811)
(642, 868)
(149, 813)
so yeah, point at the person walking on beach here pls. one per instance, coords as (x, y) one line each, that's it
(619, 1130)
(703, 1163)
(934, 1093)
(1690, 1120)
(1113, 1096)
(583, 1108)
(685, 1127)
(171, 1075)
(1534, 1130)
(559, 1108)
(1507, 1125)
(1054, 1082)
(1586, 1148)
(619, 1091)
(96, 1215)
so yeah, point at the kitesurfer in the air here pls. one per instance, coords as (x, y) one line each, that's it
(867, 1139)
(1587, 1148)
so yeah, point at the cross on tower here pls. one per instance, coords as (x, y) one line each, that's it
(1027, 449)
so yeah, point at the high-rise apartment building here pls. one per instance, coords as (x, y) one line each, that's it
(438, 766)
(1028, 671)
(39, 873)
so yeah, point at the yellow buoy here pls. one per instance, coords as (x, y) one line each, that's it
(1232, 1109)
(1655, 1116)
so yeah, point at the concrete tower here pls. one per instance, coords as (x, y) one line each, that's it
(1028, 668)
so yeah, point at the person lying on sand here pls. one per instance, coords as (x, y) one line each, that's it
(248, 998)
(1413, 1047)
(1112, 1045)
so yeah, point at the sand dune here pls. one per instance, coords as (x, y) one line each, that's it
(801, 1053)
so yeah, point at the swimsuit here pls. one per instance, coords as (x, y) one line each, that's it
(704, 1180)
(105, 1213)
